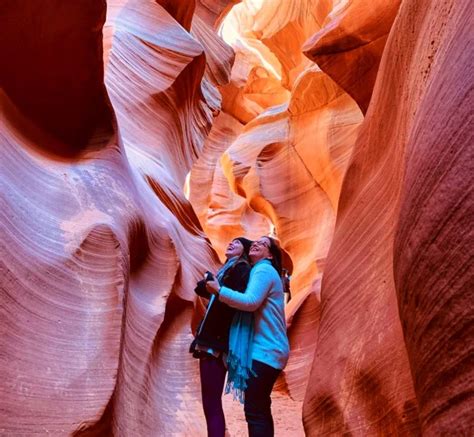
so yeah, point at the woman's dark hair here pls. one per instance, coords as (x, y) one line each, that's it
(276, 254)
(246, 243)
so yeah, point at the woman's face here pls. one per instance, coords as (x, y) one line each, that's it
(235, 248)
(260, 249)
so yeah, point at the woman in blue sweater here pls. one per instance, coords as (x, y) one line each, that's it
(267, 351)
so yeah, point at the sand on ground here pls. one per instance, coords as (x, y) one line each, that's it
(287, 416)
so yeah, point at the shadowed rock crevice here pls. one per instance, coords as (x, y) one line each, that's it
(103, 427)
(179, 207)
(138, 245)
(54, 73)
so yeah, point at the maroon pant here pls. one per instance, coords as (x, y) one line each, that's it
(213, 374)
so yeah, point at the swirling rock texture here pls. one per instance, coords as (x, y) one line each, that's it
(96, 286)
(113, 115)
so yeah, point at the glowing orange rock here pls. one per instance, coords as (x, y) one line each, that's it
(294, 142)
(350, 44)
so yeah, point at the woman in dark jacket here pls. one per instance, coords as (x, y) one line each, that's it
(212, 337)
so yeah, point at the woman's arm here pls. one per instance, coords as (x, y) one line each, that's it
(257, 289)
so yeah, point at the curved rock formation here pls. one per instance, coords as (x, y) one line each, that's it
(223, 214)
(305, 135)
(295, 142)
(96, 286)
(350, 44)
(433, 249)
(100, 247)
(63, 239)
(361, 380)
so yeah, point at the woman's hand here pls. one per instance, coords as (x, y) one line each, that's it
(213, 287)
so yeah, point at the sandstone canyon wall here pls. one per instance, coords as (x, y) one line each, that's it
(378, 360)
(96, 286)
(137, 137)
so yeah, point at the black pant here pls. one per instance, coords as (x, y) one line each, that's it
(257, 404)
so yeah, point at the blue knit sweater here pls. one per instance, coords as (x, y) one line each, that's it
(263, 296)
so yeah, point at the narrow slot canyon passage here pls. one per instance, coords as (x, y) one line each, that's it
(139, 137)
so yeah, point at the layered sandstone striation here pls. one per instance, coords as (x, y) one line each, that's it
(96, 286)
(392, 354)
(433, 248)
(138, 137)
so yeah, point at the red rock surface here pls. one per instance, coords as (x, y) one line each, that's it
(96, 287)
(374, 366)
(433, 248)
(113, 115)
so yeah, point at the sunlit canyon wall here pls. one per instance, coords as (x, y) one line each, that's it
(137, 137)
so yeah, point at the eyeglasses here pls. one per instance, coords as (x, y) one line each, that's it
(263, 243)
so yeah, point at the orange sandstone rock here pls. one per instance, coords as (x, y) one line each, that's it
(294, 143)
(350, 44)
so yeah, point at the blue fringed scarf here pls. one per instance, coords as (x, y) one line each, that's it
(239, 358)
